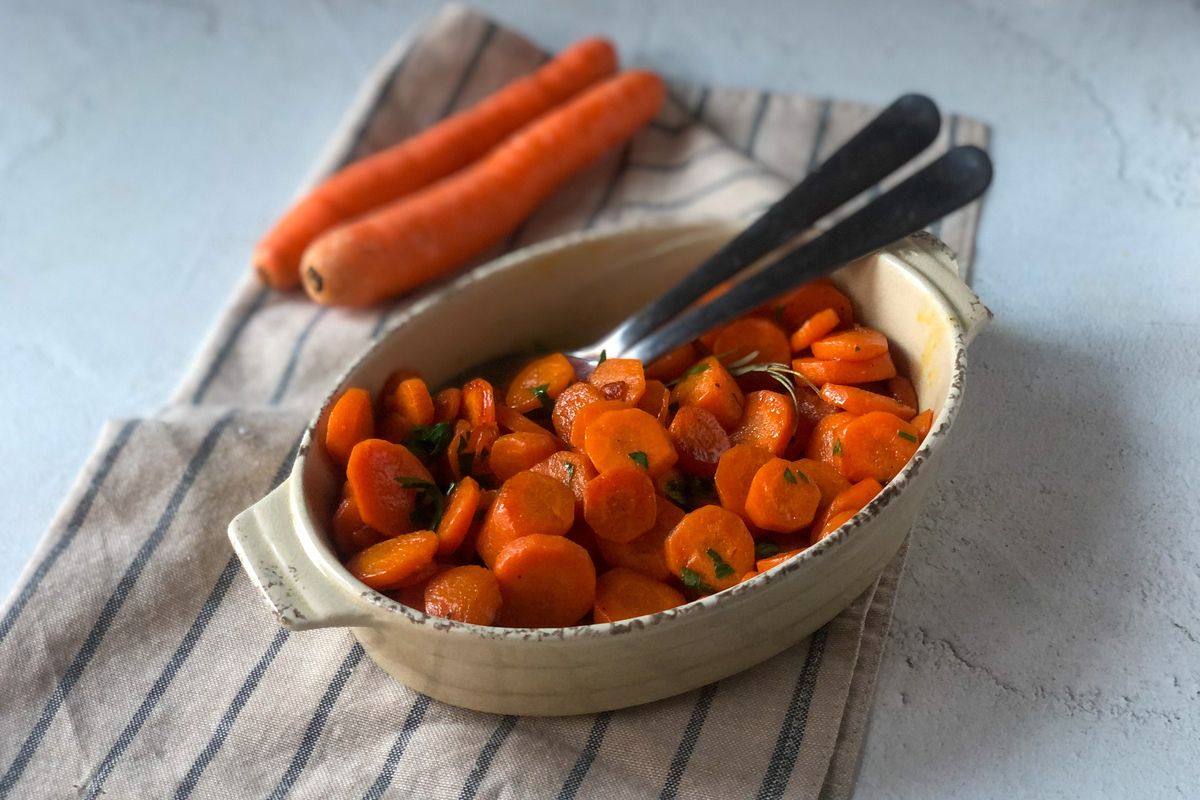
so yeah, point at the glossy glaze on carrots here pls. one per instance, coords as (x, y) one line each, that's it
(554, 502)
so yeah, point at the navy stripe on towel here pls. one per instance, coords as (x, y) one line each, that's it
(488, 754)
(691, 734)
(586, 756)
(791, 734)
(407, 730)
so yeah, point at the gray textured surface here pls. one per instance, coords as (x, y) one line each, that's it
(1046, 642)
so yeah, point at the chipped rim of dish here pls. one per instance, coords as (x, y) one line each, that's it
(320, 550)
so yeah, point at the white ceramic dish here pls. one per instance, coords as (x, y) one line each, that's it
(564, 293)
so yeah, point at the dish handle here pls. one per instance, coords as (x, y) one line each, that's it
(932, 258)
(302, 595)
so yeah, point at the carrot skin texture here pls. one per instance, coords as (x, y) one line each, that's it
(860, 401)
(856, 344)
(458, 517)
(422, 159)
(405, 244)
(816, 326)
(351, 420)
(822, 371)
(394, 562)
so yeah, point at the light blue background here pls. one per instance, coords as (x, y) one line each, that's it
(1046, 642)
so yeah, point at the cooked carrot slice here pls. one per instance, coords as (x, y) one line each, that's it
(394, 427)
(378, 472)
(768, 422)
(470, 449)
(545, 582)
(819, 324)
(832, 524)
(860, 401)
(755, 336)
(413, 594)
(751, 575)
(620, 379)
(710, 549)
(811, 406)
(856, 344)
(764, 564)
(877, 445)
(517, 452)
(672, 365)
(656, 401)
(351, 420)
(516, 422)
(396, 561)
(479, 402)
(624, 594)
(782, 498)
(699, 440)
(646, 553)
(902, 391)
(856, 497)
(619, 504)
(387, 395)
(821, 372)
(923, 422)
(588, 414)
(810, 299)
(828, 480)
(350, 534)
(412, 399)
(826, 441)
(710, 386)
(528, 503)
(539, 383)
(735, 472)
(573, 470)
(446, 404)
(466, 594)
(582, 534)
(628, 435)
(456, 521)
(568, 404)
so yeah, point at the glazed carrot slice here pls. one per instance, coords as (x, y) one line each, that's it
(466, 594)
(413, 400)
(624, 594)
(646, 553)
(351, 420)
(856, 344)
(620, 379)
(470, 449)
(672, 365)
(517, 452)
(764, 564)
(832, 524)
(901, 390)
(350, 533)
(820, 371)
(574, 470)
(416, 239)
(346, 518)
(629, 435)
(709, 385)
(387, 395)
(545, 582)
(826, 441)
(699, 440)
(456, 521)
(735, 472)
(829, 481)
(860, 401)
(811, 406)
(380, 475)
(528, 503)
(582, 534)
(479, 402)
(446, 404)
(619, 503)
(516, 422)
(923, 422)
(422, 159)
(394, 427)
(768, 422)
(856, 497)
(568, 404)
(782, 498)
(813, 328)
(539, 383)
(751, 575)
(586, 415)
(877, 445)
(755, 336)
(710, 549)
(656, 401)
(810, 299)
(396, 561)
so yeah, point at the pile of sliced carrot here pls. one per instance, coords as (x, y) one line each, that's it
(414, 212)
(553, 501)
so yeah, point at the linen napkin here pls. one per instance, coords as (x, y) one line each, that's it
(138, 660)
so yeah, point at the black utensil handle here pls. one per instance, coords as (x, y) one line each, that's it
(897, 134)
(950, 182)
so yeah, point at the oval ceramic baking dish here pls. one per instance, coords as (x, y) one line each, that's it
(563, 293)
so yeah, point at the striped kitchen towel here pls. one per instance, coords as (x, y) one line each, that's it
(139, 662)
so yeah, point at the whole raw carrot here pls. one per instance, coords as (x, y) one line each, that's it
(432, 154)
(421, 237)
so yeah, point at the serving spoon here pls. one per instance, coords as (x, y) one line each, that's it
(889, 141)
